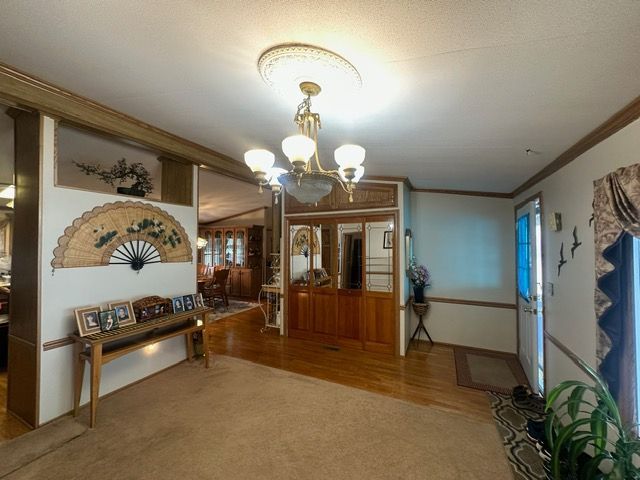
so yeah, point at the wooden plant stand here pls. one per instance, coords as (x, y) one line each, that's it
(101, 348)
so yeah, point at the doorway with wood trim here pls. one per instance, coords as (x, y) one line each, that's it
(529, 291)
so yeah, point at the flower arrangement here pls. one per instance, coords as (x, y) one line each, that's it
(419, 274)
(120, 172)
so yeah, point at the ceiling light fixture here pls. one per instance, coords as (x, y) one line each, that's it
(304, 182)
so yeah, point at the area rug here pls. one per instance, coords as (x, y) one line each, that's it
(239, 420)
(511, 421)
(235, 306)
(486, 370)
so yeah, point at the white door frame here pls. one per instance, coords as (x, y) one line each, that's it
(539, 289)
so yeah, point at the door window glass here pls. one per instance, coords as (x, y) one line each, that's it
(379, 256)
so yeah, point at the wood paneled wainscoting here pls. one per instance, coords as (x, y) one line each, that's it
(341, 275)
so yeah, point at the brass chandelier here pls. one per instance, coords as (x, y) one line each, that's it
(307, 181)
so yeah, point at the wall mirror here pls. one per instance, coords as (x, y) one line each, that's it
(408, 247)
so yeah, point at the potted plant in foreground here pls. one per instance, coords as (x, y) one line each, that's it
(120, 173)
(587, 437)
(420, 278)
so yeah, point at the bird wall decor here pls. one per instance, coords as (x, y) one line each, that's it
(576, 243)
(562, 260)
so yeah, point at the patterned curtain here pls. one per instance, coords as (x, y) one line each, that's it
(616, 208)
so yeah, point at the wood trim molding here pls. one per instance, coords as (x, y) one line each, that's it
(465, 192)
(477, 303)
(215, 223)
(58, 343)
(617, 121)
(26, 90)
(564, 349)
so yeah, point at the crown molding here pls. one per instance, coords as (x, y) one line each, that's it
(617, 121)
(472, 193)
(25, 90)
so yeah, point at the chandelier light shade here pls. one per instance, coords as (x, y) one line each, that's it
(304, 182)
(298, 149)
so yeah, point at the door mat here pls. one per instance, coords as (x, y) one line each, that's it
(490, 371)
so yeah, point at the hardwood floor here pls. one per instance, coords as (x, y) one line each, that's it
(426, 376)
(10, 427)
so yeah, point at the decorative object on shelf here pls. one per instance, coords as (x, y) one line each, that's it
(151, 307)
(120, 173)
(580, 418)
(420, 278)
(199, 300)
(108, 320)
(576, 244)
(130, 233)
(303, 182)
(88, 320)
(124, 312)
(301, 242)
(562, 261)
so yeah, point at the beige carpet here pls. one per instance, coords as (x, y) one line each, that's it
(240, 420)
(489, 371)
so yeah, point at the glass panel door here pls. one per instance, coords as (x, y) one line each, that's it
(350, 256)
(324, 256)
(379, 256)
(240, 247)
(217, 248)
(228, 248)
(299, 237)
(207, 260)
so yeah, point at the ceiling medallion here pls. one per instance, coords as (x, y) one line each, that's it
(305, 66)
(284, 67)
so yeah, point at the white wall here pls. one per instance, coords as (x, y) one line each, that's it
(86, 147)
(69, 288)
(467, 243)
(569, 312)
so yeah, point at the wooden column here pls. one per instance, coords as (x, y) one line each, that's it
(177, 181)
(24, 326)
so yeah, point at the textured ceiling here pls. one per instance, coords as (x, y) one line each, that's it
(453, 94)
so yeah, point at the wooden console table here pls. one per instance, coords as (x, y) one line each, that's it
(101, 348)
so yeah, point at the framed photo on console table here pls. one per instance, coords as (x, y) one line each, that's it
(88, 320)
(124, 312)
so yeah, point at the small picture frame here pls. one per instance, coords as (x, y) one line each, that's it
(388, 240)
(199, 300)
(189, 302)
(178, 305)
(124, 312)
(88, 320)
(108, 320)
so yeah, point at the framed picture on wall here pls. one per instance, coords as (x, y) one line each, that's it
(124, 312)
(88, 320)
(388, 239)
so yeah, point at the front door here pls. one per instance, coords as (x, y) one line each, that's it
(529, 286)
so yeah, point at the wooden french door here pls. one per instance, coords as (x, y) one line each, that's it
(341, 281)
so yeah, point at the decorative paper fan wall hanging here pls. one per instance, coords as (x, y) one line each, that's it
(122, 233)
